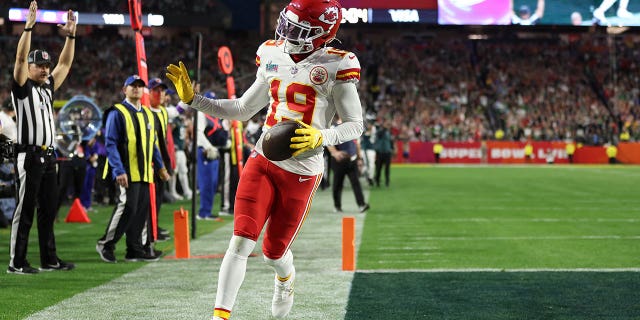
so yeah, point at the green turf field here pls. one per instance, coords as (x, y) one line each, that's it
(505, 217)
(21, 295)
(503, 242)
(567, 237)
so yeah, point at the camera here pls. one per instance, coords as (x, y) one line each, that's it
(7, 148)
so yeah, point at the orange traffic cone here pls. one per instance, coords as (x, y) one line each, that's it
(77, 213)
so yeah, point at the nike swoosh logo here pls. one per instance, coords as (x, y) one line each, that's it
(352, 57)
(300, 179)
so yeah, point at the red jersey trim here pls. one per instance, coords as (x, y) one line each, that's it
(348, 74)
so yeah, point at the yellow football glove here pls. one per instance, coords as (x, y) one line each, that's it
(307, 138)
(180, 78)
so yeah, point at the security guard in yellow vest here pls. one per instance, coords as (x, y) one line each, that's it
(228, 170)
(130, 140)
(612, 153)
(437, 150)
(571, 149)
(528, 152)
(625, 136)
(157, 92)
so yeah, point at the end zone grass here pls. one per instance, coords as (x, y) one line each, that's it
(434, 244)
(539, 242)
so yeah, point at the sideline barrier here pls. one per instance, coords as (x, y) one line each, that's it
(506, 152)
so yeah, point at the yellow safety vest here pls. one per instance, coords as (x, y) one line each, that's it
(528, 150)
(437, 148)
(571, 148)
(163, 118)
(137, 151)
(625, 136)
(612, 151)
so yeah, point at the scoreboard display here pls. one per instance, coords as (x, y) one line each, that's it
(390, 11)
(494, 12)
(618, 13)
(391, 4)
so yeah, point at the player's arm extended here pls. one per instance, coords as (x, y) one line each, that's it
(254, 99)
(244, 108)
(347, 102)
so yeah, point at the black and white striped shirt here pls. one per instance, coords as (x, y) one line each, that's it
(34, 112)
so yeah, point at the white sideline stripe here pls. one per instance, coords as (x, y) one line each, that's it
(627, 220)
(603, 237)
(471, 270)
(186, 289)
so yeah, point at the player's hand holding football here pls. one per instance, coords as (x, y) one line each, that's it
(307, 138)
(180, 78)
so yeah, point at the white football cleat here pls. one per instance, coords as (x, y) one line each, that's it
(599, 15)
(624, 13)
(283, 296)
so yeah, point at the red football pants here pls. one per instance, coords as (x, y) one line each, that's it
(267, 192)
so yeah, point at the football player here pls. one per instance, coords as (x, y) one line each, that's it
(300, 78)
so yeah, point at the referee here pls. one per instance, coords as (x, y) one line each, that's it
(32, 93)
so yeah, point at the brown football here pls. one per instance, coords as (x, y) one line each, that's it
(275, 144)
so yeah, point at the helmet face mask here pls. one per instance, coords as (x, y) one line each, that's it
(305, 25)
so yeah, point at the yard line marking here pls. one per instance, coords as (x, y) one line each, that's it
(603, 237)
(626, 220)
(186, 288)
(463, 270)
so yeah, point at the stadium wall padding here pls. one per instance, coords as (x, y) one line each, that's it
(511, 152)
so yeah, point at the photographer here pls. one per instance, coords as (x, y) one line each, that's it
(7, 171)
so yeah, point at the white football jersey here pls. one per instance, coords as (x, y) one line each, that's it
(303, 91)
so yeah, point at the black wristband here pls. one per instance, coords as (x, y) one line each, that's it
(71, 37)
(28, 29)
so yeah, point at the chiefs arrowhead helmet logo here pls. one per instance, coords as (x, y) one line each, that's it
(329, 16)
(318, 75)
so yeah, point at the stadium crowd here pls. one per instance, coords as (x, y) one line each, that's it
(456, 89)
(111, 6)
(432, 87)
(439, 86)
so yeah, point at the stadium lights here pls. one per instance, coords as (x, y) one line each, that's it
(478, 37)
(100, 19)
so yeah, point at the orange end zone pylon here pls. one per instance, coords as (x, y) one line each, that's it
(181, 233)
(348, 243)
(77, 213)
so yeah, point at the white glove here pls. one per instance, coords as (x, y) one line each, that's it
(226, 125)
(211, 153)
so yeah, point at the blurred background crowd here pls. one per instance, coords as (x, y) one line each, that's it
(441, 85)
(424, 83)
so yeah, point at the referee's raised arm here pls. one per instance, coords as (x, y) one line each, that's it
(21, 69)
(61, 70)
